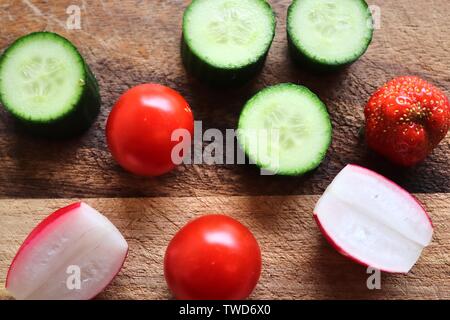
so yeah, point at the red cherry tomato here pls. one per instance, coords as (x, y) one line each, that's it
(213, 258)
(139, 128)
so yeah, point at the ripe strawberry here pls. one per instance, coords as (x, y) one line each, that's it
(406, 119)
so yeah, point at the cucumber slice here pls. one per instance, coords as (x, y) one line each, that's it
(226, 41)
(47, 86)
(285, 129)
(329, 34)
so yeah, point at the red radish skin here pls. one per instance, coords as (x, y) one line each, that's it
(48, 224)
(396, 188)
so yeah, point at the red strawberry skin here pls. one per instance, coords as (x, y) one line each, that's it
(406, 119)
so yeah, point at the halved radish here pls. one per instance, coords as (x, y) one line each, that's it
(373, 221)
(76, 236)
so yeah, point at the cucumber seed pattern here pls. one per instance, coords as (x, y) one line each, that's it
(42, 77)
(230, 26)
(288, 125)
(328, 20)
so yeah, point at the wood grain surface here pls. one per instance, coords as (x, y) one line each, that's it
(130, 42)
(297, 262)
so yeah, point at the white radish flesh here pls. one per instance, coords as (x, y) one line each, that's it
(373, 221)
(78, 236)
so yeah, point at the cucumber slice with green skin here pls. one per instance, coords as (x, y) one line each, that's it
(285, 129)
(226, 41)
(47, 86)
(329, 34)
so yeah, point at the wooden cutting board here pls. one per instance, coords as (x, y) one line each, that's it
(131, 42)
